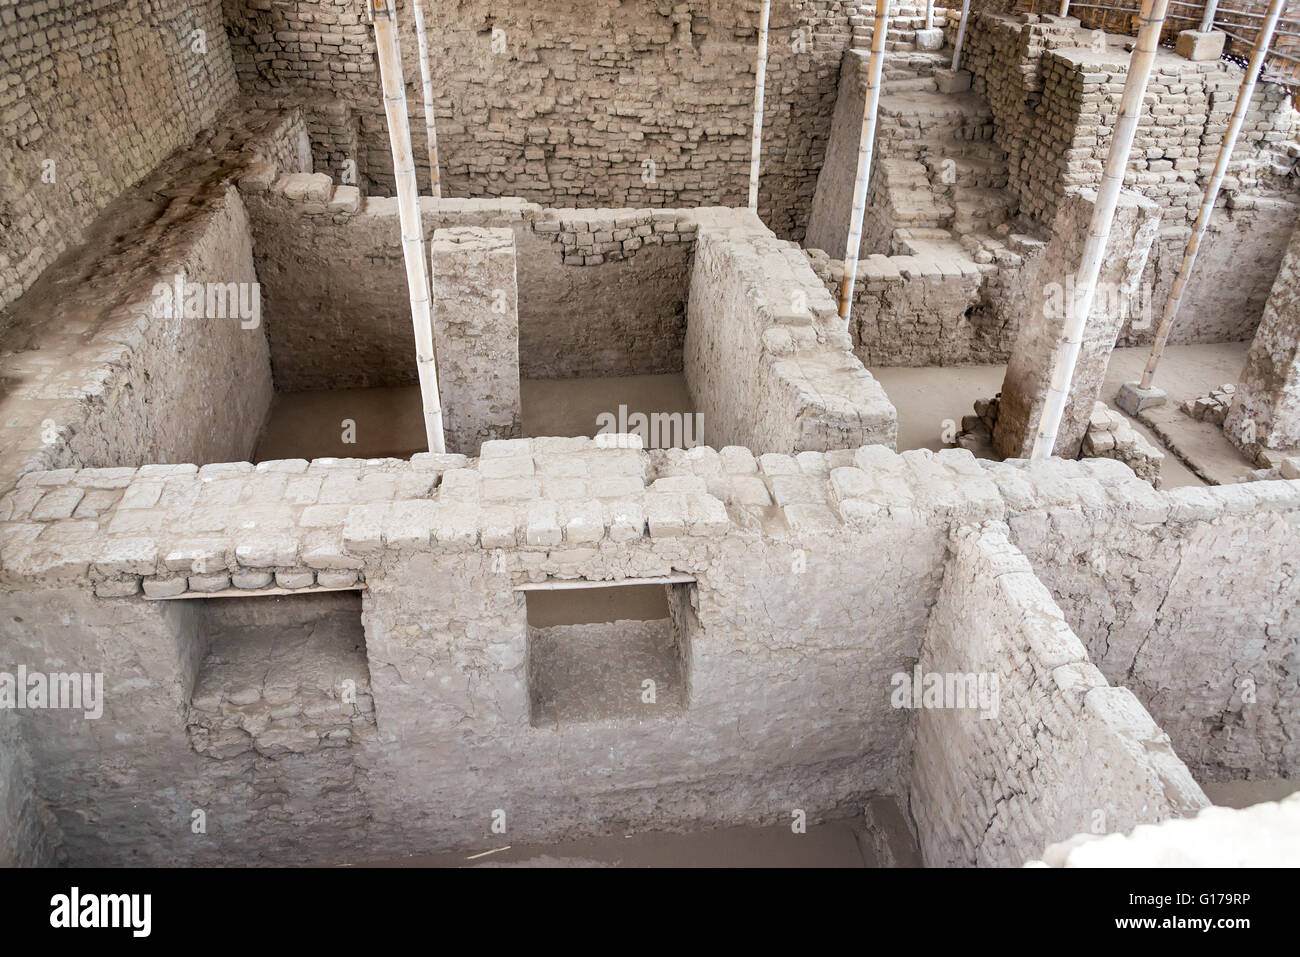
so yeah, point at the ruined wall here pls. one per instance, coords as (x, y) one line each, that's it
(476, 327)
(767, 359)
(29, 836)
(1236, 267)
(918, 311)
(567, 104)
(96, 374)
(792, 629)
(453, 739)
(195, 388)
(1188, 598)
(1265, 410)
(601, 292)
(828, 220)
(93, 95)
(1039, 340)
(1055, 103)
(989, 789)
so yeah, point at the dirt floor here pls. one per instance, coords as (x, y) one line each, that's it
(1187, 372)
(570, 406)
(932, 401)
(389, 422)
(1246, 793)
(830, 844)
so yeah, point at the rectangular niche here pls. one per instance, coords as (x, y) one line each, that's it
(280, 675)
(593, 649)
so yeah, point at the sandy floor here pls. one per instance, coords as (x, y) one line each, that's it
(388, 422)
(308, 425)
(1246, 793)
(831, 844)
(931, 400)
(930, 403)
(570, 406)
(1187, 372)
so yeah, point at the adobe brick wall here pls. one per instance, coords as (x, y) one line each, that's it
(578, 98)
(104, 91)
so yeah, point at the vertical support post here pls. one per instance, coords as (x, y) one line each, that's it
(384, 18)
(866, 143)
(1065, 8)
(929, 14)
(760, 80)
(961, 36)
(426, 78)
(1262, 41)
(1207, 21)
(1151, 20)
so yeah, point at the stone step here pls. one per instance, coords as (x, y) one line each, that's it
(892, 85)
(980, 210)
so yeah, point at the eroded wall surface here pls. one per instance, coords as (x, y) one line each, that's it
(989, 786)
(93, 96)
(1187, 598)
(476, 323)
(29, 836)
(1265, 410)
(1040, 340)
(601, 292)
(767, 358)
(567, 104)
(105, 365)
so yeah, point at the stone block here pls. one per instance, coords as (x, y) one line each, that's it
(1133, 399)
(1195, 45)
(930, 40)
(952, 81)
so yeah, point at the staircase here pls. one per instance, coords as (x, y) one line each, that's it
(937, 165)
(904, 21)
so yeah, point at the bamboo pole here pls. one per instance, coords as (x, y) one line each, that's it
(1257, 55)
(760, 81)
(384, 18)
(961, 36)
(1152, 19)
(866, 143)
(426, 79)
(1207, 21)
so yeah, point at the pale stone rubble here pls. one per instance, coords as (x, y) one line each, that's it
(1263, 835)
(1111, 436)
(1212, 408)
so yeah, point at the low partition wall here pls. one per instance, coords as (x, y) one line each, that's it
(1189, 597)
(769, 363)
(148, 343)
(924, 311)
(602, 292)
(431, 718)
(1039, 747)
